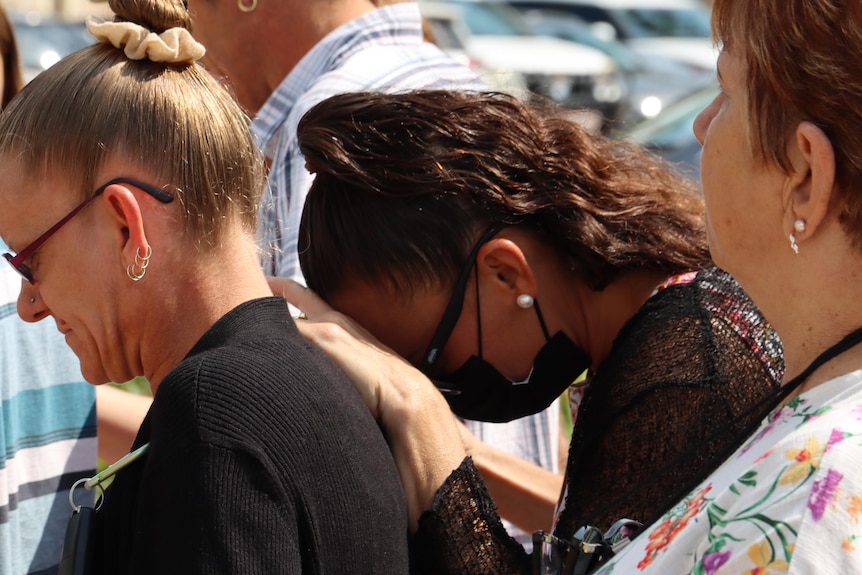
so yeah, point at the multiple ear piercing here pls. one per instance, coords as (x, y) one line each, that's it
(136, 270)
(798, 228)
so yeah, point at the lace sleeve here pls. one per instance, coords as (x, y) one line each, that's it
(462, 534)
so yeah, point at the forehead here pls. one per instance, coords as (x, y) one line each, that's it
(404, 324)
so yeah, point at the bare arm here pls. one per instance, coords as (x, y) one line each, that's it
(119, 414)
(422, 431)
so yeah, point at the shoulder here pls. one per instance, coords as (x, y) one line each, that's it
(701, 333)
(251, 376)
(789, 499)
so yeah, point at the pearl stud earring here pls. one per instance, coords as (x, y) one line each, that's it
(524, 301)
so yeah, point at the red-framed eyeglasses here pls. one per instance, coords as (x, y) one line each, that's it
(17, 261)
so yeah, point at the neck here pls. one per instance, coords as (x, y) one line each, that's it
(213, 285)
(815, 308)
(606, 312)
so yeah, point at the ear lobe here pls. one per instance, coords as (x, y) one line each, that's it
(506, 262)
(812, 184)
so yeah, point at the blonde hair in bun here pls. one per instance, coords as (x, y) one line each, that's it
(141, 98)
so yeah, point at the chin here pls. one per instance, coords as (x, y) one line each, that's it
(95, 376)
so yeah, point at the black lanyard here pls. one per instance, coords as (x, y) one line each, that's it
(766, 406)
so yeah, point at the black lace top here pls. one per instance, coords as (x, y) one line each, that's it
(687, 377)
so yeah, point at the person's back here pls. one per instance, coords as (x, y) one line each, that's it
(47, 436)
(698, 348)
(295, 427)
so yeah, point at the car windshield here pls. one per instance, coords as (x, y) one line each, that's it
(673, 127)
(654, 22)
(490, 20)
(561, 25)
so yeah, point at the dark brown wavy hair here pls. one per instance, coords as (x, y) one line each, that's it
(406, 183)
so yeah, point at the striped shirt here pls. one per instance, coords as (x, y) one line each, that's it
(382, 50)
(47, 436)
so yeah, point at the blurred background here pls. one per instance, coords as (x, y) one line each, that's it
(635, 69)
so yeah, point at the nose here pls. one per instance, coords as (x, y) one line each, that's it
(30, 305)
(704, 119)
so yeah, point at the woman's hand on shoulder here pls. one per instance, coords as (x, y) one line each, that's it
(385, 380)
(422, 431)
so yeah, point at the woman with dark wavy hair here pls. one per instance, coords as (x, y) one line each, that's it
(477, 208)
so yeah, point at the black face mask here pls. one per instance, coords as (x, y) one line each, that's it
(477, 390)
(480, 392)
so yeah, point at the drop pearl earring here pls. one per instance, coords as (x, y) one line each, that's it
(798, 227)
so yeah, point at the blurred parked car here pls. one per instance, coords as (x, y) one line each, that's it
(577, 76)
(671, 133)
(676, 29)
(652, 83)
(445, 27)
(42, 41)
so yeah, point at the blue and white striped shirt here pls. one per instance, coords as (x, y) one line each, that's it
(381, 50)
(47, 436)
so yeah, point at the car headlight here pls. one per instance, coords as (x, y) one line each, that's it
(650, 107)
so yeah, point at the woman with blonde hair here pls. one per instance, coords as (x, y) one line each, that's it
(129, 183)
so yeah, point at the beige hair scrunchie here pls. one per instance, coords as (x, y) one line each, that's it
(173, 46)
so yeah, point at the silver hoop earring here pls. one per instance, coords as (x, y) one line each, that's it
(524, 301)
(793, 245)
(243, 7)
(141, 263)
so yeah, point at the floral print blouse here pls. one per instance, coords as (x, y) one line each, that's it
(788, 501)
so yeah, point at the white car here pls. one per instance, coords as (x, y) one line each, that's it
(677, 29)
(445, 27)
(652, 83)
(577, 76)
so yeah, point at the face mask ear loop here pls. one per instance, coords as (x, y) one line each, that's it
(453, 310)
(478, 312)
(541, 320)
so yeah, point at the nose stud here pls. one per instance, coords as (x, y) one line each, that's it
(32, 300)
